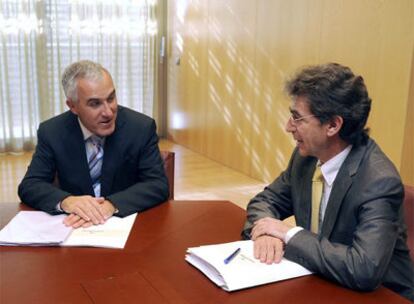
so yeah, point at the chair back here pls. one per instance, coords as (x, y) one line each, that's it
(409, 217)
(169, 161)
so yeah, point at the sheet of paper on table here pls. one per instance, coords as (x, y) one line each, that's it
(37, 228)
(243, 270)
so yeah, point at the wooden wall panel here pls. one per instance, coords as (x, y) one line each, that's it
(230, 78)
(187, 50)
(281, 44)
(374, 38)
(407, 159)
(227, 92)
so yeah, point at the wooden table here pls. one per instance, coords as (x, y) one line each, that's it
(151, 268)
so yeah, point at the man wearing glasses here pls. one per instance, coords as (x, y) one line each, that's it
(344, 192)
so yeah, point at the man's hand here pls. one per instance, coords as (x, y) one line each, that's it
(268, 249)
(75, 221)
(107, 209)
(86, 206)
(270, 226)
(86, 210)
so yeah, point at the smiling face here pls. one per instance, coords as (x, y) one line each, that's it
(97, 105)
(312, 137)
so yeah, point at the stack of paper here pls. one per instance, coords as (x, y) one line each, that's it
(34, 228)
(37, 228)
(243, 270)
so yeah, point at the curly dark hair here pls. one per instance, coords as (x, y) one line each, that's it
(333, 90)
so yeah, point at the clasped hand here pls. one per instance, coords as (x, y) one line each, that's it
(86, 210)
(268, 235)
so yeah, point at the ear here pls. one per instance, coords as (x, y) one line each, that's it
(335, 125)
(72, 106)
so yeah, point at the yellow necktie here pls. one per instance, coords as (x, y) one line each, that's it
(317, 187)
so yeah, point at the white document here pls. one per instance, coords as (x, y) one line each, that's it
(37, 228)
(113, 234)
(243, 270)
(34, 228)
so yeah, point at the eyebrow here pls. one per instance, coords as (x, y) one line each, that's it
(112, 93)
(293, 111)
(98, 99)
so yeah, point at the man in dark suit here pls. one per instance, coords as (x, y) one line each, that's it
(105, 157)
(354, 232)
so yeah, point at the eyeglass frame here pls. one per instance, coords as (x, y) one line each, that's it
(296, 121)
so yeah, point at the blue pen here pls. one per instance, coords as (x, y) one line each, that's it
(231, 256)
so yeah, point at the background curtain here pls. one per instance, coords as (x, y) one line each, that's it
(40, 38)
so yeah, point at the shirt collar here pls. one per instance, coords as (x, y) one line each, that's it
(331, 168)
(86, 133)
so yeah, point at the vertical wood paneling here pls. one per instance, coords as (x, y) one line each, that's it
(374, 38)
(227, 93)
(280, 48)
(187, 73)
(407, 159)
(230, 82)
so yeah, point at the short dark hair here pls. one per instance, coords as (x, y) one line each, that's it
(333, 90)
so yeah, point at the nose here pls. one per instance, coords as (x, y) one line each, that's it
(107, 110)
(289, 127)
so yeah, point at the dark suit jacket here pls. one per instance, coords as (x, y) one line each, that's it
(133, 177)
(362, 243)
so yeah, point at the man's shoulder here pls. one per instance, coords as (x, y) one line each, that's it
(370, 163)
(58, 121)
(130, 116)
(371, 152)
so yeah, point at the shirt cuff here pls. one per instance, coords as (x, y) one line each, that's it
(59, 208)
(291, 232)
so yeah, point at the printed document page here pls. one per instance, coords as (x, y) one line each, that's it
(113, 234)
(38, 228)
(243, 270)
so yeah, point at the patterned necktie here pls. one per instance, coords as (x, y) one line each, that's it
(95, 157)
(317, 188)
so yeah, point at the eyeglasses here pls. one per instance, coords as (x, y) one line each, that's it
(295, 121)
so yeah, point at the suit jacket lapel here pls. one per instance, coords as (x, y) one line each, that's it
(340, 187)
(76, 151)
(110, 160)
(305, 196)
(112, 154)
